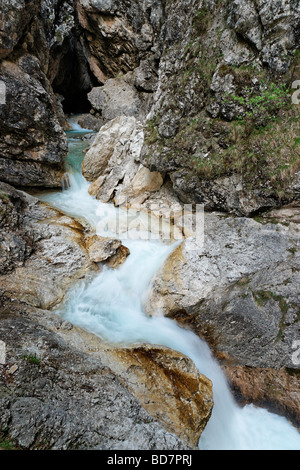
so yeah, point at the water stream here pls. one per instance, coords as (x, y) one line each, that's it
(111, 306)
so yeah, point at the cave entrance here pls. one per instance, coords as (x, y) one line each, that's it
(77, 103)
(73, 78)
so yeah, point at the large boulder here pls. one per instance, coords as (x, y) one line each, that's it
(112, 163)
(32, 142)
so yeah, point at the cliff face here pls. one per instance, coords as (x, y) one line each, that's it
(33, 145)
(223, 100)
(215, 76)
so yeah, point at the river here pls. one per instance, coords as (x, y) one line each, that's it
(111, 306)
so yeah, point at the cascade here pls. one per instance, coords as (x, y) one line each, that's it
(111, 306)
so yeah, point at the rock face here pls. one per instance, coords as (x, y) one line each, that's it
(222, 95)
(179, 395)
(15, 16)
(33, 145)
(238, 290)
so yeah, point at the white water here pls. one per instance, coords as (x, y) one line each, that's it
(111, 306)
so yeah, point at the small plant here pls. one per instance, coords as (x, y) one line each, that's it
(6, 443)
(31, 358)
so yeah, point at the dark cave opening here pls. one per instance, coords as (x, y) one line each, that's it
(73, 78)
(77, 103)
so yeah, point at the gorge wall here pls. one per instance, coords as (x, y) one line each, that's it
(207, 87)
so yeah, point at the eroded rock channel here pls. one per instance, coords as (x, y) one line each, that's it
(109, 342)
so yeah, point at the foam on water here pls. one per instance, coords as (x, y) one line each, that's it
(111, 306)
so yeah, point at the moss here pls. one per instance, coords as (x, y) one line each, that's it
(261, 297)
(243, 282)
(31, 358)
(4, 196)
(6, 443)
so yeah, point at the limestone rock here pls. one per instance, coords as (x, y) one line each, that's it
(107, 249)
(56, 372)
(168, 386)
(102, 248)
(37, 158)
(215, 64)
(232, 248)
(238, 290)
(119, 258)
(15, 16)
(41, 252)
(276, 389)
(112, 163)
(115, 98)
(118, 35)
(63, 396)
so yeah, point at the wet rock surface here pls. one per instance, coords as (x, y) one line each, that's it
(61, 398)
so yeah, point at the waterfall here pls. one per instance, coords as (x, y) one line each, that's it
(111, 306)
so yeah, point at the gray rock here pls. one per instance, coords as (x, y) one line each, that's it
(62, 399)
(32, 158)
(40, 252)
(114, 99)
(239, 286)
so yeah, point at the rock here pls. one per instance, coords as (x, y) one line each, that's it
(112, 163)
(16, 241)
(119, 258)
(88, 121)
(203, 129)
(42, 253)
(107, 249)
(276, 389)
(58, 386)
(118, 35)
(179, 396)
(15, 16)
(32, 158)
(269, 27)
(238, 290)
(63, 396)
(116, 98)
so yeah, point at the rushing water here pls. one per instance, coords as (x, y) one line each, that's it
(111, 306)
